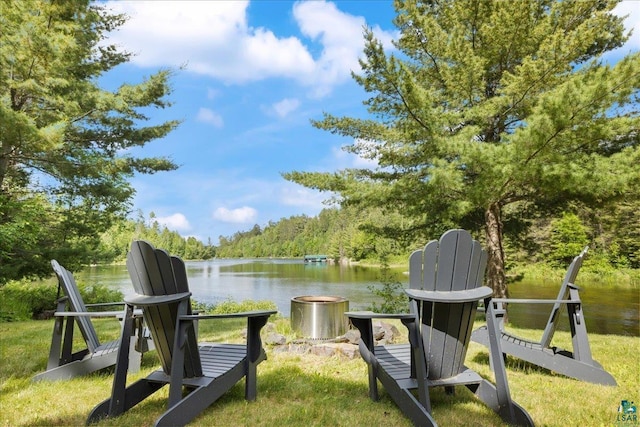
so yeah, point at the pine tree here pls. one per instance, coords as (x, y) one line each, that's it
(489, 111)
(64, 141)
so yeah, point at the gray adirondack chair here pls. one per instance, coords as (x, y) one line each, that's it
(64, 362)
(197, 374)
(445, 288)
(579, 363)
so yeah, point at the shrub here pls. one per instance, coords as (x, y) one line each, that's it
(24, 299)
(229, 306)
(95, 294)
(394, 300)
(568, 238)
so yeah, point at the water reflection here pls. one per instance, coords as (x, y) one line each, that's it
(608, 311)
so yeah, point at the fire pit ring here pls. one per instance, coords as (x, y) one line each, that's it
(319, 317)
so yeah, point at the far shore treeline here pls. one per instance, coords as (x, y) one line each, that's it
(612, 234)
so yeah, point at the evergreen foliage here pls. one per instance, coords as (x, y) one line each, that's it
(341, 234)
(65, 143)
(552, 240)
(491, 115)
(568, 238)
(115, 242)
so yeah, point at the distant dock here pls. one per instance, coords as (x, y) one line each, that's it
(315, 258)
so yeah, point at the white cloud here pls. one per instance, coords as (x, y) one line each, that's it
(347, 159)
(177, 222)
(212, 93)
(297, 195)
(214, 38)
(341, 37)
(206, 115)
(630, 9)
(632, 22)
(241, 215)
(286, 106)
(210, 37)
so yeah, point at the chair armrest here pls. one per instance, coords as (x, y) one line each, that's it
(104, 304)
(255, 322)
(372, 315)
(363, 320)
(535, 301)
(228, 315)
(97, 314)
(150, 300)
(89, 313)
(466, 295)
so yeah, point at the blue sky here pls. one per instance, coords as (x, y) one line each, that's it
(249, 77)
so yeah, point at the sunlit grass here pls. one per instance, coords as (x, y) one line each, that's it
(308, 390)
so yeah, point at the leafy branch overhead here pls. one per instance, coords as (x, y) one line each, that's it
(68, 146)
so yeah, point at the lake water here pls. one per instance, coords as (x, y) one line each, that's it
(607, 310)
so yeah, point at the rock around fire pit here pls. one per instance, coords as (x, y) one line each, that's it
(319, 317)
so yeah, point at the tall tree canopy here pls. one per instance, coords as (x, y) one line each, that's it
(64, 141)
(492, 112)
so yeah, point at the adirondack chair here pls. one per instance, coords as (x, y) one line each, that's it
(445, 287)
(197, 374)
(578, 364)
(64, 362)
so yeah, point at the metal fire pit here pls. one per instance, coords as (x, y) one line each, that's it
(319, 317)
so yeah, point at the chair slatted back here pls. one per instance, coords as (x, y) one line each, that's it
(76, 303)
(456, 262)
(154, 272)
(569, 279)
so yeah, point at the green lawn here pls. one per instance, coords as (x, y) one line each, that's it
(307, 390)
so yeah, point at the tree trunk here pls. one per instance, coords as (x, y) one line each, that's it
(5, 150)
(496, 277)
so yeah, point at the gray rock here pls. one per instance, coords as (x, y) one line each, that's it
(274, 338)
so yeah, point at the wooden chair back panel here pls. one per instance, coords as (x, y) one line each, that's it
(76, 303)
(180, 275)
(146, 276)
(152, 273)
(454, 263)
(422, 275)
(448, 338)
(574, 268)
(563, 294)
(478, 266)
(191, 344)
(415, 270)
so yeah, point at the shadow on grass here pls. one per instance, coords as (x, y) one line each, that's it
(515, 364)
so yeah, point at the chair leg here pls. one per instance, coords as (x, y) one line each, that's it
(193, 404)
(56, 343)
(133, 395)
(407, 402)
(77, 368)
(498, 397)
(135, 356)
(580, 340)
(512, 413)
